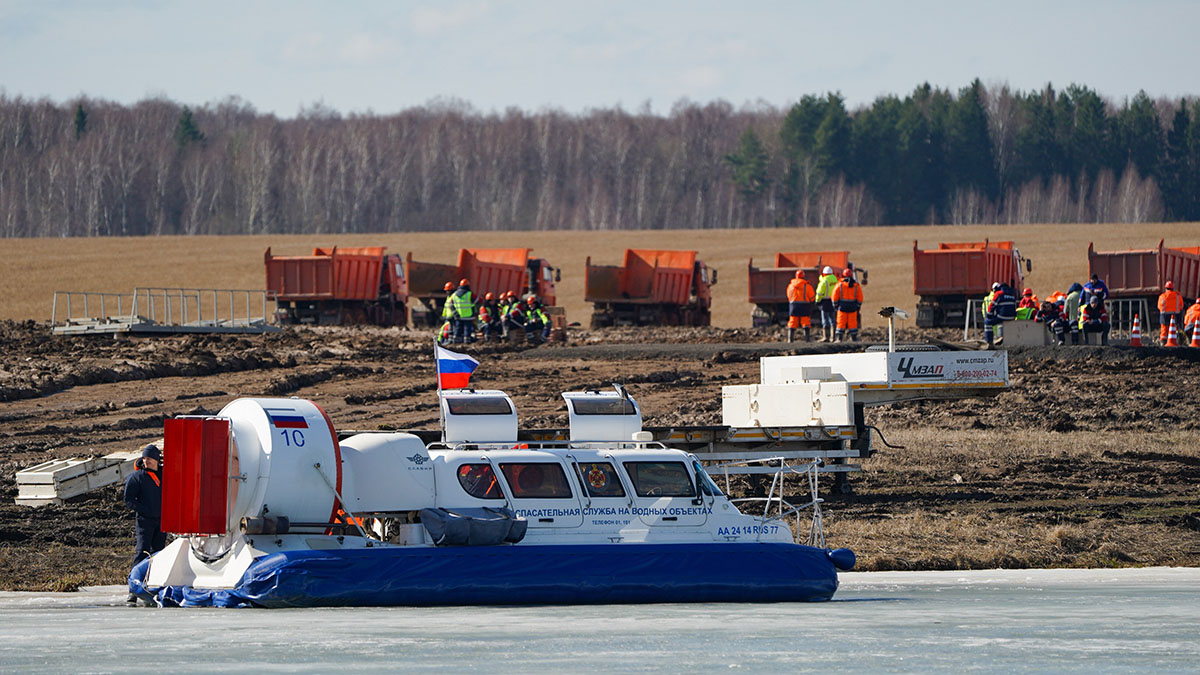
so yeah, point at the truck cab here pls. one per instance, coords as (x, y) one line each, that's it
(542, 277)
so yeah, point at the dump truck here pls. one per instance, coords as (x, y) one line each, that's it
(946, 277)
(489, 270)
(354, 285)
(1142, 274)
(650, 288)
(768, 285)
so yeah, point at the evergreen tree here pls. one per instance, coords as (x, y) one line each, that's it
(918, 182)
(832, 139)
(1091, 134)
(80, 121)
(1176, 178)
(750, 166)
(797, 138)
(971, 158)
(876, 156)
(1140, 135)
(1039, 154)
(186, 131)
(799, 130)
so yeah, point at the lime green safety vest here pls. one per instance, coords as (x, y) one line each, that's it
(825, 287)
(464, 306)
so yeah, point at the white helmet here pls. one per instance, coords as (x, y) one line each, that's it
(827, 270)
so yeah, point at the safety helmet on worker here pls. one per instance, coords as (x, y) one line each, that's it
(463, 282)
(489, 296)
(847, 273)
(449, 286)
(1027, 291)
(1170, 285)
(532, 300)
(827, 270)
(995, 285)
(799, 274)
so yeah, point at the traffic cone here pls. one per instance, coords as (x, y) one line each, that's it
(1172, 336)
(1195, 335)
(1135, 335)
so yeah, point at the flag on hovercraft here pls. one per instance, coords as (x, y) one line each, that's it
(454, 369)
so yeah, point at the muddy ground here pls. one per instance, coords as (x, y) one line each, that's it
(1091, 459)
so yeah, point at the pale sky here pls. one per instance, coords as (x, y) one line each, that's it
(370, 55)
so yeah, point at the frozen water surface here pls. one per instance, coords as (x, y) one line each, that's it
(998, 620)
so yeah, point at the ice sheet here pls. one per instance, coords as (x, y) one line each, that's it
(990, 621)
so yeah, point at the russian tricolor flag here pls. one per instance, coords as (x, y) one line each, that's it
(454, 369)
(286, 418)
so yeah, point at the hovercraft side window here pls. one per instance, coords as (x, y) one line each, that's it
(479, 481)
(600, 479)
(660, 479)
(536, 480)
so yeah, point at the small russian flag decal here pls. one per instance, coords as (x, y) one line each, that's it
(286, 418)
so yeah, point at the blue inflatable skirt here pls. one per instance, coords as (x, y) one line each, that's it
(520, 575)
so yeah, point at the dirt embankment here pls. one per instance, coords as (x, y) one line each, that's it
(1091, 458)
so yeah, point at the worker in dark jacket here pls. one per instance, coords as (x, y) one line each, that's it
(1095, 318)
(1052, 315)
(143, 494)
(1002, 308)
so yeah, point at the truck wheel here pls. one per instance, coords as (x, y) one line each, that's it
(601, 320)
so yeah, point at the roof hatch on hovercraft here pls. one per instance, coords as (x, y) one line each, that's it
(478, 416)
(603, 415)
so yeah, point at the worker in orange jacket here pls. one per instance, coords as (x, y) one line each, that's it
(848, 299)
(1191, 322)
(1170, 306)
(800, 295)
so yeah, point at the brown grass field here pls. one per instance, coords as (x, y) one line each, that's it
(32, 269)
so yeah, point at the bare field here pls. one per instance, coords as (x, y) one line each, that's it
(34, 268)
(1089, 460)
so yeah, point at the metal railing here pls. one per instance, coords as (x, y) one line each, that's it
(816, 531)
(212, 307)
(71, 300)
(164, 306)
(1120, 317)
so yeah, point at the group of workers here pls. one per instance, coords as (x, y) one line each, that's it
(492, 317)
(839, 301)
(1080, 311)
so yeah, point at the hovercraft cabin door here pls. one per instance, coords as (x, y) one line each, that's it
(665, 493)
(541, 492)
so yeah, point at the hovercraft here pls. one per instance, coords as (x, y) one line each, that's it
(271, 509)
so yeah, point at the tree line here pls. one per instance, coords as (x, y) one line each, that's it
(96, 168)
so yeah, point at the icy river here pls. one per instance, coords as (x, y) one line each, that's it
(992, 621)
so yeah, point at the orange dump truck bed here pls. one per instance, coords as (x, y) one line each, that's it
(968, 268)
(646, 276)
(769, 284)
(489, 270)
(331, 274)
(1144, 273)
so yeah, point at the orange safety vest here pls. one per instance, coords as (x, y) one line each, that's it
(1193, 315)
(845, 291)
(799, 290)
(1170, 302)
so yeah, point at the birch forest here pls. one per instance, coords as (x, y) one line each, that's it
(90, 167)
